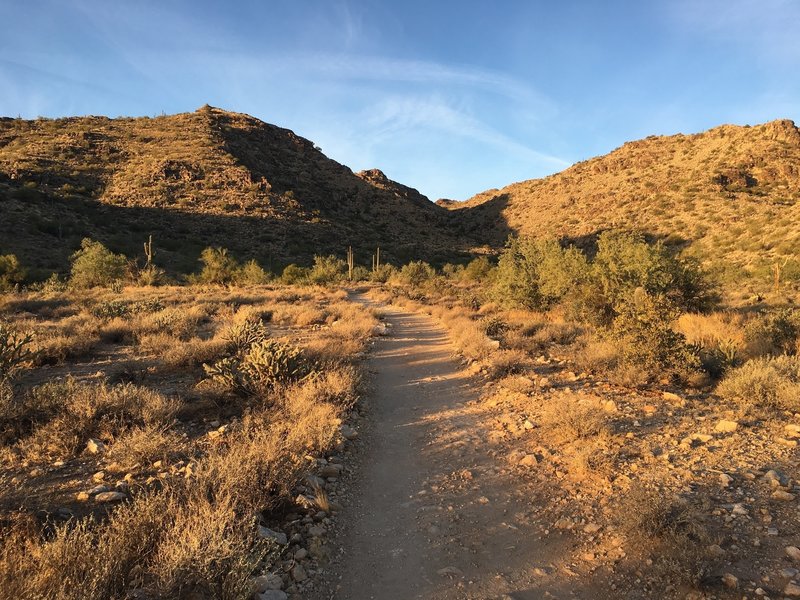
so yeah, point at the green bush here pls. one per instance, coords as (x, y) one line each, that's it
(643, 333)
(626, 262)
(535, 273)
(327, 270)
(383, 273)
(416, 273)
(11, 272)
(765, 382)
(294, 274)
(94, 265)
(251, 273)
(478, 269)
(219, 267)
(773, 333)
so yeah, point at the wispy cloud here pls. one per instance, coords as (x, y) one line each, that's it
(398, 114)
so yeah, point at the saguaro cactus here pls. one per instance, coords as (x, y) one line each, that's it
(350, 263)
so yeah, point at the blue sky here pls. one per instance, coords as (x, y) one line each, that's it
(449, 97)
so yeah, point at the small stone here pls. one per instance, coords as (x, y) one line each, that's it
(716, 551)
(782, 495)
(263, 583)
(725, 480)
(316, 531)
(109, 497)
(301, 554)
(591, 528)
(792, 430)
(563, 523)
(450, 572)
(785, 442)
(82, 496)
(789, 572)
(730, 581)
(792, 589)
(278, 536)
(98, 489)
(673, 398)
(348, 432)
(99, 476)
(272, 595)
(330, 470)
(529, 460)
(610, 406)
(739, 509)
(298, 573)
(94, 446)
(774, 478)
(527, 424)
(725, 426)
(793, 552)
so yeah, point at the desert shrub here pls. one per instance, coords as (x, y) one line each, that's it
(293, 274)
(416, 273)
(494, 326)
(383, 273)
(718, 337)
(764, 383)
(669, 528)
(646, 340)
(51, 285)
(15, 350)
(115, 308)
(219, 267)
(773, 333)
(573, 418)
(251, 273)
(11, 272)
(260, 368)
(94, 265)
(626, 262)
(478, 269)
(327, 270)
(535, 273)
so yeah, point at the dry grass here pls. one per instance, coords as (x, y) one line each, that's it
(574, 417)
(764, 383)
(669, 529)
(195, 533)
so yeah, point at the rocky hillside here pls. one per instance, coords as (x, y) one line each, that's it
(730, 194)
(196, 179)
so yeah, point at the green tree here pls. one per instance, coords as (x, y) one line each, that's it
(94, 265)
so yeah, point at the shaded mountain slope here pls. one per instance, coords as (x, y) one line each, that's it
(195, 179)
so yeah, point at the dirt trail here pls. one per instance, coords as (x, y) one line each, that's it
(432, 511)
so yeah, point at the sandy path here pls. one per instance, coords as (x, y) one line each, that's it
(432, 513)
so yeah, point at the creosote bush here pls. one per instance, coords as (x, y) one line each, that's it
(416, 273)
(769, 382)
(11, 272)
(94, 265)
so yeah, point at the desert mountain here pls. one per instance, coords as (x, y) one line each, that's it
(730, 194)
(209, 177)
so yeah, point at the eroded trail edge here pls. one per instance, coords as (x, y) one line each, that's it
(429, 513)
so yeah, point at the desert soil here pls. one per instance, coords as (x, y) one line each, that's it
(431, 510)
